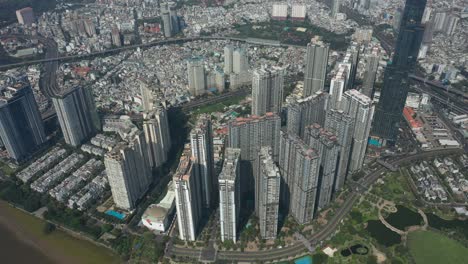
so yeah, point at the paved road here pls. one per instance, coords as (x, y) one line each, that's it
(129, 47)
(298, 248)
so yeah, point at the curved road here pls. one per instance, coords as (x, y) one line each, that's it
(298, 248)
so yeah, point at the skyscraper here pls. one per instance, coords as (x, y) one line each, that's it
(128, 171)
(370, 75)
(228, 67)
(77, 115)
(267, 91)
(21, 127)
(393, 96)
(304, 112)
(335, 8)
(337, 87)
(360, 107)
(239, 61)
(316, 67)
(157, 135)
(196, 76)
(267, 192)
(341, 124)
(229, 195)
(250, 134)
(174, 18)
(170, 19)
(201, 142)
(326, 144)
(299, 166)
(188, 200)
(146, 96)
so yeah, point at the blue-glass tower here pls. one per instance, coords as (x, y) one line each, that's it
(395, 89)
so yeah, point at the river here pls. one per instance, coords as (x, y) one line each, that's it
(15, 250)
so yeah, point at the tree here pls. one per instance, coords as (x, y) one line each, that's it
(320, 258)
(48, 228)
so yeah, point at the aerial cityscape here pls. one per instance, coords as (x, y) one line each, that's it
(234, 131)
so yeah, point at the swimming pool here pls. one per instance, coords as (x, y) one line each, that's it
(115, 214)
(304, 260)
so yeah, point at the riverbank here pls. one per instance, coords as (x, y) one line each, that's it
(57, 247)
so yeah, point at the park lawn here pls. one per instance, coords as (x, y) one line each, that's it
(78, 250)
(210, 109)
(429, 247)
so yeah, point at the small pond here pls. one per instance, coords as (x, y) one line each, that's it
(404, 217)
(356, 249)
(382, 234)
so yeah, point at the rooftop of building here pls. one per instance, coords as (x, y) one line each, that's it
(300, 145)
(231, 158)
(269, 165)
(362, 98)
(184, 170)
(254, 118)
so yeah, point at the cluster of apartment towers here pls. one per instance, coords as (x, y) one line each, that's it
(297, 168)
(293, 170)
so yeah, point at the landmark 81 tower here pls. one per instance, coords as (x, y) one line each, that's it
(396, 85)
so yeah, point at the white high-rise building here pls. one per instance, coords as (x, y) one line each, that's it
(250, 134)
(128, 171)
(337, 87)
(335, 8)
(229, 195)
(228, 63)
(316, 67)
(157, 135)
(188, 200)
(326, 144)
(267, 91)
(370, 75)
(298, 12)
(201, 143)
(306, 111)
(239, 61)
(300, 167)
(341, 124)
(358, 106)
(267, 193)
(196, 76)
(280, 11)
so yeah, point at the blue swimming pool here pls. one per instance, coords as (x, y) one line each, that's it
(115, 214)
(374, 142)
(304, 260)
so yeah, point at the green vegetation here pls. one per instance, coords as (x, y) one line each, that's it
(218, 107)
(395, 188)
(79, 250)
(21, 195)
(285, 32)
(429, 247)
(146, 249)
(6, 169)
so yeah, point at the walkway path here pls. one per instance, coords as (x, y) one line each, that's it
(394, 229)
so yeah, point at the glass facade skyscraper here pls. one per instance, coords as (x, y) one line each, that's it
(396, 82)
